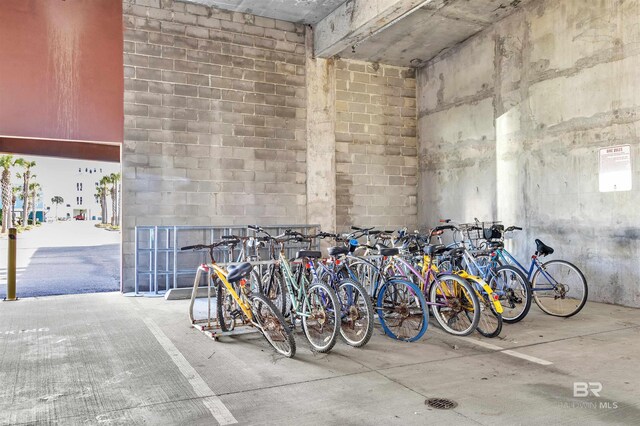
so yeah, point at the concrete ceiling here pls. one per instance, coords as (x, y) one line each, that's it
(431, 29)
(300, 11)
(410, 41)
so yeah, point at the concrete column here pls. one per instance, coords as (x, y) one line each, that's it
(321, 141)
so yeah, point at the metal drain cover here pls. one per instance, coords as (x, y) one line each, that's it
(441, 403)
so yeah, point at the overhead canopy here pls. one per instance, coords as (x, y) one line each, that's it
(61, 77)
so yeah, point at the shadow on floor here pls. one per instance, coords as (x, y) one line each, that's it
(67, 270)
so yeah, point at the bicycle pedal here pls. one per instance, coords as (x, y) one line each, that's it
(236, 313)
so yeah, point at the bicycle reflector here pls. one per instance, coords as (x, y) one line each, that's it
(243, 282)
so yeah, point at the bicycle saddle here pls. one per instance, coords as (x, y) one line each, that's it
(433, 249)
(542, 248)
(338, 250)
(311, 254)
(238, 272)
(455, 253)
(388, 251)
(496, 244)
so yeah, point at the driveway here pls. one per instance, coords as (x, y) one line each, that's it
(64, 258)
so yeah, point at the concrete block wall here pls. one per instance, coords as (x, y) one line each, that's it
(215, 119)
(376, 154)
(510, 124)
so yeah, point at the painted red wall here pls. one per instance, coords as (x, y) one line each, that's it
(61, 70)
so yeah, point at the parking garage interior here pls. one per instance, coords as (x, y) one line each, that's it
(324, 115)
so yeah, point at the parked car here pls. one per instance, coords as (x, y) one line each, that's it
(79, 217)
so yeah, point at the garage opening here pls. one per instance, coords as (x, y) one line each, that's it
(67, 215)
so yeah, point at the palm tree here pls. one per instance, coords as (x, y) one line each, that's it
(103, 192)
(114, 179)
(6, 161)
(57, 200)
(14, 195)
(26, 177)
(34, 189)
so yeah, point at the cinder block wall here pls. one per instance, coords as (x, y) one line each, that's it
(510, 125)
(215, 113)
(376, 154)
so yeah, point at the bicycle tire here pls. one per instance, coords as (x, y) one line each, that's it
(458, 297)
(272, 325)
(513, 290)
(356, 327)
(273, 286)
(545, 303)
(321, 306)
(225, 306)
(490, 323)
(367, 274)
(397, 301)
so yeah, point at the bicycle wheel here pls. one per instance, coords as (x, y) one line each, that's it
(321, 317)
(272, 285)
(272, 325)
(367, 274)
(559, 288)
(454, 305)
(402, 310)
(226, 307)
(490, 323)
(514, 292)
(356, 327)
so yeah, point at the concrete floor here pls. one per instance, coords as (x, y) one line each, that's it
(106, 358)
(67, 257)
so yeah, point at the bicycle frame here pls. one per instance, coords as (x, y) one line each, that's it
(296, 288)
(535, 264)
(222, 276)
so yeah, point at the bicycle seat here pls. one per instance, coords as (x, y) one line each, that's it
(238, 272)
(542, 248)
(311, 254)
(455, 253)
(338, 250)
(434, 249)
(496, 244)
(389, 251)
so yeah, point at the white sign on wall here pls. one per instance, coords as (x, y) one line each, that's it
(615, 168)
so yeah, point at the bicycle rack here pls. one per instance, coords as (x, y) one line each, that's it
(211, 326)
(160, 265)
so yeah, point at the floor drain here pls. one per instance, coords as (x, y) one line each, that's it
(441, 403)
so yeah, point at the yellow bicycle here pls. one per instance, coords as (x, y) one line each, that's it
(236, 301)
(490, 324)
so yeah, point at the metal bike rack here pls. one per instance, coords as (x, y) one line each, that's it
(161, 266)
(211, 325)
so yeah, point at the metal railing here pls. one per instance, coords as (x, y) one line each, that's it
(161, 266)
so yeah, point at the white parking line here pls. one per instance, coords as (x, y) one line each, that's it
(508, 351)
(210, 399)
(527, 357)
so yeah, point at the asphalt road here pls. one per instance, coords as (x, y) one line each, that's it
(64, 258)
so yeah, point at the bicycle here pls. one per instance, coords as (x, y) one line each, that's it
(559, 287)
(453, 300)
(313, 302)
(252, 307)
(399, 304)
(506, 281)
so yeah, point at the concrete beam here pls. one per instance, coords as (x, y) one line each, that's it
(356, 20)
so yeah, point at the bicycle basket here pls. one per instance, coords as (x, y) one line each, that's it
(494, 232)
